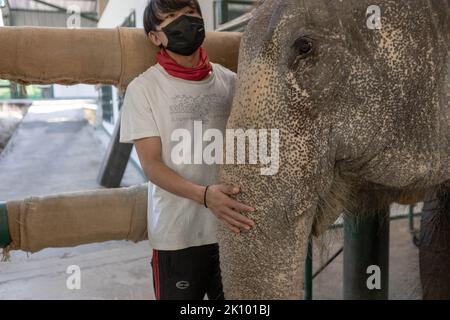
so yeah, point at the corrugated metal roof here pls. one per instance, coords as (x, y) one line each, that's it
(84, 5)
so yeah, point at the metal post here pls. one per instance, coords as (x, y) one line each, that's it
(5, 238)
(412, 230)
(366, 256)
(308, 272)
(115, 160)
(411, 218)
(223, 11)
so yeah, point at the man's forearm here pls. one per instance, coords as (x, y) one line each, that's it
(166, 178)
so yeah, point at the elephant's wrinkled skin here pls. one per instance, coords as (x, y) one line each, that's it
(365, 113)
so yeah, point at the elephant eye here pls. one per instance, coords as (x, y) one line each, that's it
(304, 46)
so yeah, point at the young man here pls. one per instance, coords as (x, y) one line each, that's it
(181, 92)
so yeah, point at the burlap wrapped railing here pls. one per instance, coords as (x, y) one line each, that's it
(30, 55)
(75, 218)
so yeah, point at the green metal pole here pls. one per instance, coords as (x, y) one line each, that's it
(223, 11)
(308, 273)
(5, 238)
(366, 256)
(411, 218)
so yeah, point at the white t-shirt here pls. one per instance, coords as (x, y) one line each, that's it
(157, 104)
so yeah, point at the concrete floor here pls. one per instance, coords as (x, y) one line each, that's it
(57, 150)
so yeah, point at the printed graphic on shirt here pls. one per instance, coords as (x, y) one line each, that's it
(203, 108)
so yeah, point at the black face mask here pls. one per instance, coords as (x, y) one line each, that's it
(185, 34)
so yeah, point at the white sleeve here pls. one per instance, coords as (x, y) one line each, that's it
(137, 119)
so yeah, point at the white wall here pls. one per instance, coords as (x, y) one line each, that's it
(1, 18)
(76, 91)
(117, 10)
(208, 14)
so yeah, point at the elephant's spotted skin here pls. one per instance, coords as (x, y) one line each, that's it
(365, 114)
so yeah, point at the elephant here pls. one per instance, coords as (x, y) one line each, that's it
(359, 105)
(363, 117)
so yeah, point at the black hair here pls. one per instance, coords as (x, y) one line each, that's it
(155, 8)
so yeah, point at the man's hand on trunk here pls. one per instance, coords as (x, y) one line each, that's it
(227, 209)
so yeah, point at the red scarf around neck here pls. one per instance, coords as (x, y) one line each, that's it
(197, 73)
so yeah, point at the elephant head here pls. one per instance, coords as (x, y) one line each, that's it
(357, 96)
